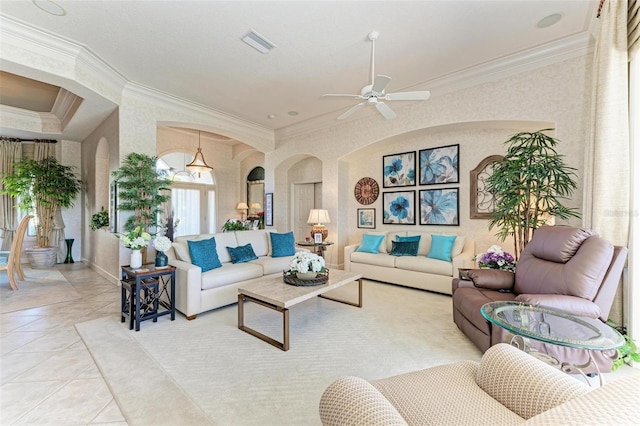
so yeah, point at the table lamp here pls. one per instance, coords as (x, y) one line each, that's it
(316, 218)
(255, 207)
(243, 207)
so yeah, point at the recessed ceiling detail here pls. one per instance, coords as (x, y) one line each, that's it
(25, 93)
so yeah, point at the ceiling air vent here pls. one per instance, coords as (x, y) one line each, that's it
(258, 42)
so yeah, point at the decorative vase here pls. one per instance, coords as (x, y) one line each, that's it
(306, 275)
(136, 259)
(161, 260)
(69, 258)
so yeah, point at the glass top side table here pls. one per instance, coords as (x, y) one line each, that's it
(555, 326)
(319, 248)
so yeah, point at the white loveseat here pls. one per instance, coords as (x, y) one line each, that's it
(198, 291)
(417, 271)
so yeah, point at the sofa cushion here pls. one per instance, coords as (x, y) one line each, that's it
(258, 239)
(282, 244)
(425, 264)
(575, 305)
(204, 254)
(441, 247)
(181, 249)
(224, 240)
(370, 243)
(458, 246)
(242, 254)
(492, 279)
(404, 248)
(230, 273)
(273, 265)
(378, 259)
(385, 246)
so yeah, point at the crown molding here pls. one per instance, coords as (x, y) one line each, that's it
(20, 119)
(562, 50)
(210, 119)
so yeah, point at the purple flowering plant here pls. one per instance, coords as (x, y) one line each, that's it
(496, 258)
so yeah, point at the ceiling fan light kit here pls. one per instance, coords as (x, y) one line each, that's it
(373, 93)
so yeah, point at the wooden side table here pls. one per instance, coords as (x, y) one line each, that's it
(145, 291)
(318, 248)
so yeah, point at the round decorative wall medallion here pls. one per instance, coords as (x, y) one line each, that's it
(366, 191)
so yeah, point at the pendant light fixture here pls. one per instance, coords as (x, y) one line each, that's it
(198, 165)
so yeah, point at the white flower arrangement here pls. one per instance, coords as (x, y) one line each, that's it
(304, 261)
(162, 243)
(136, 239)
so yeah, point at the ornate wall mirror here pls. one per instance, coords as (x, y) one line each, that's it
(255, 191)
(482, 201)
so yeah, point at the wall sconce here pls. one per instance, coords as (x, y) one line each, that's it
(198, 165)
(316, 218)
(243, 207)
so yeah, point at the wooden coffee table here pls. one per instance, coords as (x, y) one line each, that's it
(271, 292)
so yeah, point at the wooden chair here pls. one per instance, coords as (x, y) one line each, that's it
(12, 264)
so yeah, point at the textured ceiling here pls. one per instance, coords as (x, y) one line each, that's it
(193, 49)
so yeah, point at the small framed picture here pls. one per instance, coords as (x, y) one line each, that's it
(268, 209)
(317, 237)
(256, 224)
(399, 208)
(367, 218)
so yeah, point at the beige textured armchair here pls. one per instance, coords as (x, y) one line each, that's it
(563, 267)
(507, 387)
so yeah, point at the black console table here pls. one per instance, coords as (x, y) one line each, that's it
(147, 293)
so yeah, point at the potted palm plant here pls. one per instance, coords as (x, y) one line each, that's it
(529, 184)
(41, 187)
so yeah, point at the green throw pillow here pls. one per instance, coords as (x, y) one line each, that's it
(242, 254)
(404, 248)
(282, 244)
(203, 254)
(441, 247)
(370, 243)
(405, 239)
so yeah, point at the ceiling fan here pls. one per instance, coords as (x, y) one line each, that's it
(373, 94)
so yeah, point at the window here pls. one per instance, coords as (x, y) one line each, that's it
(192, 196)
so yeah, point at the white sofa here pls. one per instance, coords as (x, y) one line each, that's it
(198, 292)
(411, 271)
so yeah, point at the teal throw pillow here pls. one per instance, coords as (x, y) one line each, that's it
(405, 239)
(370, 243)
(203, 254)
(242, 254)
(282, 244)
(404, 248)
(441, 247)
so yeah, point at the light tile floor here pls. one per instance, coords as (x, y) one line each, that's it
(47, 375)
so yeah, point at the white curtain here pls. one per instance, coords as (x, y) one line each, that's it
(10, 152)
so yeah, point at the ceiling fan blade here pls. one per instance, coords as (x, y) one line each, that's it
(342, 95)
(351, 110)
(380, 83)
(385, 111)
(408, 96)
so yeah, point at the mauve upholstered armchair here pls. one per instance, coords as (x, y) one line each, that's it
(563, 267)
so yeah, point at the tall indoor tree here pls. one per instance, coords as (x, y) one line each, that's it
(530, 184)
(141, 190)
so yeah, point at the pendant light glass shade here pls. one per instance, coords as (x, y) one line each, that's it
(198, 165)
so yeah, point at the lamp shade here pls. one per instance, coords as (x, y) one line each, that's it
(255, 206)
(198, 165)
(317, 216)
(242, 206)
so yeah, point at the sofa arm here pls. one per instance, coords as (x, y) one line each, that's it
(524, 384)
(347, 255)
(492, 279)
(188, 287)
(354, 401)
(465, 258)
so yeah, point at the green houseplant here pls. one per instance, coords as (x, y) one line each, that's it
(629, 351)
(141, 190)
(529, 185)
(41, 187)
(99, 220)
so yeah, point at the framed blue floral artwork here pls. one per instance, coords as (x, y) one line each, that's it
(439, 165)
(439, 207)
(399, 169)
(399, 208)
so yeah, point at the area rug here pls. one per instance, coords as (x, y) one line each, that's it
(232, 378)
(41, 287)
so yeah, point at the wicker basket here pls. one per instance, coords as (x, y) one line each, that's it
(291, 278)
